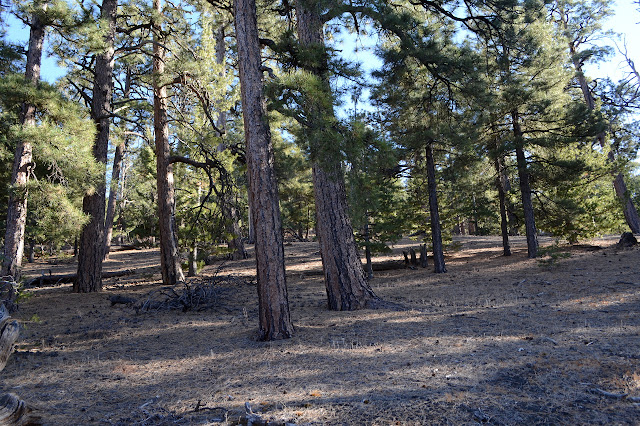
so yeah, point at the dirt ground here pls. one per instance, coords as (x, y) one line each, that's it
(495, 340)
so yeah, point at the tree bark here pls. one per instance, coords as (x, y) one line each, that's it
(169, 254)
(91, 245)
(22, 162)
(525, 188)
(436, 234)
(501, 186)
(113, 192)
(9, 332)
(273, 300)
(367, 249)
(115, 179)
(347, 288)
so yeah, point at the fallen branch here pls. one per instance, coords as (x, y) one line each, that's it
(608, 394)
(43, 280)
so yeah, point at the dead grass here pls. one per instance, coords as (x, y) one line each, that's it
(495, 340)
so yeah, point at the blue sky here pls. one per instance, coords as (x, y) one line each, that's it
(626, 21)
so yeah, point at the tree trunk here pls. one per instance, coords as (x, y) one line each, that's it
(193, 260)
(91, 246)
(169, 254)
(113, 197)
(115, 178)
(436, 235)
(274, 316)
(630, 213)
(367, 249)
(22, 162)
(525, 188)
(347, 288)
(501, 185)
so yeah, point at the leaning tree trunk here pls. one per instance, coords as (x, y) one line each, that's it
(436, 234)
(629, 210)
(91, 244)
(501, 186)
(113, 192)
(169, 255)
(347, 288)
(525, 188)
(22, 163)
(274, 316)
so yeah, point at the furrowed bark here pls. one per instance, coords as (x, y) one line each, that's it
(91, 244)
(274, 316)
(347, 288)
(169, 255)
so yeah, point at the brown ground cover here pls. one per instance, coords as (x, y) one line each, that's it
(495, 340)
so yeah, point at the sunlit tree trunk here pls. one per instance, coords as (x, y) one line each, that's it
(22, 162)
(169, 254)
(347, 288)
(91, 244)
(274, 316)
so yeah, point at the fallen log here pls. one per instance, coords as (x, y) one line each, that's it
(43, 280)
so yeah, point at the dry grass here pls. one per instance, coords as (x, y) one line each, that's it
(495, 340)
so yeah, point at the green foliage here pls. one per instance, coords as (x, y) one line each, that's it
(375, 195)
(62, 152)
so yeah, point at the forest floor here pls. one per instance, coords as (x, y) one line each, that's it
(496, 340)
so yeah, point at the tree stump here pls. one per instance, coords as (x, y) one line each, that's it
(9, 331)
(414, 261)
(423, 255)
(627, 240)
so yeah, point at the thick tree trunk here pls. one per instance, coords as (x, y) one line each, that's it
(501, 186)
(347, 288)
(436, 234)
(274, 316)
(22, 163)
(525, 188)
(91, 245)
(620, 187)
(169, 254)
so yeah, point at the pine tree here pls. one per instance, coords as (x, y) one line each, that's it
(274, 316)
(345, 281)
(22, 163)
(91, 245)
